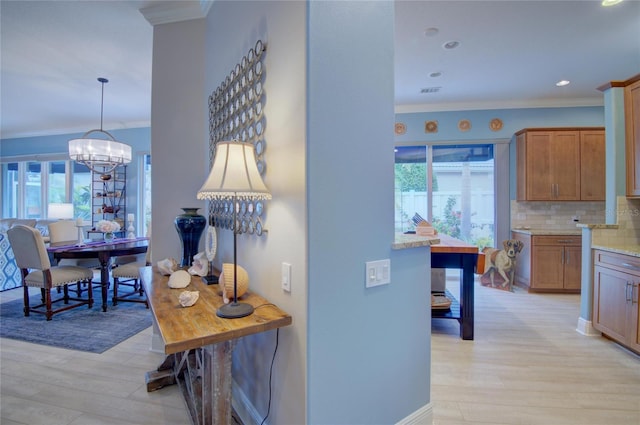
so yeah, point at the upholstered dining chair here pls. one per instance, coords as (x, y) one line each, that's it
(67, 231)
(36, 270)
(127, 272)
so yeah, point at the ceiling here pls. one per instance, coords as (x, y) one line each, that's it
(510, 54)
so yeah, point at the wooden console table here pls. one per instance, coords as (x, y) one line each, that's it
(199, 344)
(452, 253)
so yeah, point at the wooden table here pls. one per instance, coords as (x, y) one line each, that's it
(456, 254)
(103, 252)
(199, 344)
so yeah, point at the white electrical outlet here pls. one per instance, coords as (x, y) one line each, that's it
(286, 277)
(377, 273)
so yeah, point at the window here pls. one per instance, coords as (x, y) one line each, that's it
(451, 186)
(10, 180)
(33, 191)
(30, 184)
(81, 187)
(57, 183)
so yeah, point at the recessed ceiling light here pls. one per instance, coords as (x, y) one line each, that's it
(563, 83)
(435, 74)
(430, 32)
(450, 45)
(606, 3)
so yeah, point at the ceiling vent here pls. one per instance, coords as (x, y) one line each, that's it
(430, 90)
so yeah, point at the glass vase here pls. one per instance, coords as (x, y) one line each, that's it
(109, 237)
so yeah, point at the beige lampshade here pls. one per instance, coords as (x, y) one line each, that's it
(234, 173)
(60, 211)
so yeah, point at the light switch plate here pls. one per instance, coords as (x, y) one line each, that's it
(377, 273)
(286, 277)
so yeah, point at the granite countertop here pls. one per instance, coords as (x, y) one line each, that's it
(404, 241)
(597, 226)
(633, 250)
(529, 231)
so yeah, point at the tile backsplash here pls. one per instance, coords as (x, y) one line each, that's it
(555, 215)
(628, 221)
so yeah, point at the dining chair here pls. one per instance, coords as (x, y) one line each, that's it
(127, 272)
(67, 231)
(36, 270)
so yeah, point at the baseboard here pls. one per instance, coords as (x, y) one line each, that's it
(585, 327)
(249, 415)
(243, 407)
(422, 416)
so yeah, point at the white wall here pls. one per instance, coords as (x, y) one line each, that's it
(232, 29)
(178, 129)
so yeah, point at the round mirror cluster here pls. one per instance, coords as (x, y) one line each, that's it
(236, 106)
(236, 113)
(247, 219)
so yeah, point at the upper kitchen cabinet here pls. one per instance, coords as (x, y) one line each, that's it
(632, 131)
(560, 164)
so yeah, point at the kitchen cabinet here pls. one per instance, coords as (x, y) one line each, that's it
(108, 196)
(561, 164)
(549, 263)
(592, 165)
(616, 289)
(632, 131)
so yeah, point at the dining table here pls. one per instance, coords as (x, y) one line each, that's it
(103, 251)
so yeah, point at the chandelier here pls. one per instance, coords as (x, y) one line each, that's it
(99, 155)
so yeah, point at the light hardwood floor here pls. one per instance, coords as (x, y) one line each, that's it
(527, 365)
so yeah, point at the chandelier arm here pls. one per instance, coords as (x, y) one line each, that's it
(99, 130)
(90, 166)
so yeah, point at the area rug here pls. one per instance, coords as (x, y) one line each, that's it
(81, 328)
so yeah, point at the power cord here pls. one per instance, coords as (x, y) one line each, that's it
(271, 375)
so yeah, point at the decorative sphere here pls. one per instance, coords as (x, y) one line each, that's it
(225, 282)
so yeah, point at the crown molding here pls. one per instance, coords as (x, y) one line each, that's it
(548, 103)
(165, 12)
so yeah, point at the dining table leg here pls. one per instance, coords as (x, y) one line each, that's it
(104, 279)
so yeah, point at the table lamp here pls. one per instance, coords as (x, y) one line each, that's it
(234, 175)
(62, 211)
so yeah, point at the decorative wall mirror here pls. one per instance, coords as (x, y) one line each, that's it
(236, 113)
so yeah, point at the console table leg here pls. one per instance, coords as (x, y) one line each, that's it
(216, 385)
(204, 377)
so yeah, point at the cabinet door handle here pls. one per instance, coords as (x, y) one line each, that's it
(628, 295)
(568, 256)
(564, 241)
(634, 296)
(630, 266)
(562, 257)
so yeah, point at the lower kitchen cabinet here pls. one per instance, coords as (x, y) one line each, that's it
(549, 263)
(616, 289)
